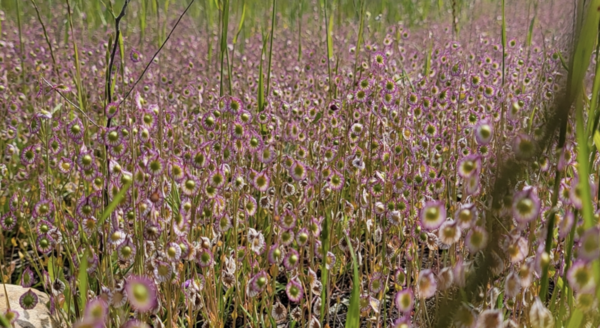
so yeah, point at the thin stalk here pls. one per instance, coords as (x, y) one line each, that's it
(273, 20)
(359, 41)
(156, 53)
(77, 64)
(550, 234)
(21, 49)
(37, 12)
(329, 45)
(224, 25)
(299, 30)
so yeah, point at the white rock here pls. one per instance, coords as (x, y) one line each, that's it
(38, 317)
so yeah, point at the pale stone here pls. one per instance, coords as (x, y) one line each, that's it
(38, 317)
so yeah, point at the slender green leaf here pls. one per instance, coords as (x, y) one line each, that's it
(576, 318)
(597, 139)
(503, 41)
(261, 87)
(241, 24)
(4, 322)
(584, 184)
(324, 270)
(273, 20)
(563, 62)
(330, 37)
(111, 207)
(530, 32)
(353, 317)
(583, 50)
(593, 110)
(122, 51)
(428, 60)
(82, 278)
(318, 117)
(225, 24)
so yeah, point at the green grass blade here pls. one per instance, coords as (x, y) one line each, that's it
(241, 24)
(593, 111)
(143, 21)
(428, 60)
(82, 278)
(584, 173)
(273, 20)
(225, 24)
(576, 318)
(111, 207)
(329, 37)
(324, 271)
(261, 88)
(503, 41)
(353, 316)
(261, 81)
(530, 32)
(597, 139)
(121, 52)
(4, 322)
(584, 48)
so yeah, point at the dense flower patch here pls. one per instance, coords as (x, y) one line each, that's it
(197, 197)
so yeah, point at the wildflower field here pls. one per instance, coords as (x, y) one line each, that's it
(306, 163)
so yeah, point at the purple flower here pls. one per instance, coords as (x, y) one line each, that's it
(404, 300)
(257, 284)
(426, 283)
(433, 215)
(476, 239)
(580, 277)
(484, 132)
(111, 110)
(204, 257)
(135, 56)
(526, 205)
(28, 300)
(141, 293)
(291, 260)
(294, 290)
(97, 310)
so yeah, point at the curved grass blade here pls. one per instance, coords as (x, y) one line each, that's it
(353, 317)
(576, 319)
(111, 207)
(4, 322)
(324, 271)
(82, 278)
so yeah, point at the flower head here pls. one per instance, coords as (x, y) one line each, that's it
(141, 293)
(404, 300)
(427, 284)
(433, 215)
(28, 300)
(294, 290)
(526, 205)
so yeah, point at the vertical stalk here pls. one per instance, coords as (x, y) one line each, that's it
(329, 45)
(224, 24)
(273, 18)
(359, 41)
(299, 30)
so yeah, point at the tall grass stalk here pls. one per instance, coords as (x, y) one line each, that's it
(329, 43)
(77, 62)
(359, 38)
(224, 28)
(353, 316)
(273, 22)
